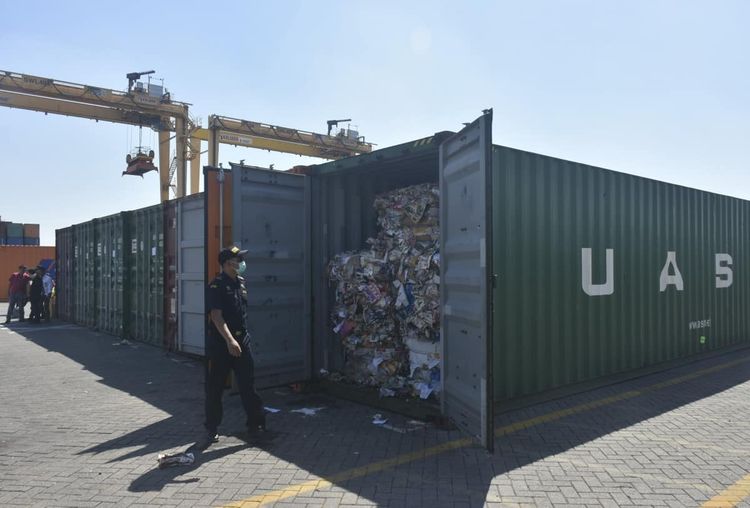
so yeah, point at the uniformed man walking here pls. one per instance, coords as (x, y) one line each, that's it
(228, 345)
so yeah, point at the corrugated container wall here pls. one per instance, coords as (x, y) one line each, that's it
(85, 287)
(146, 244)
(111, 265)
(11, 256)
(601, 272)
(65, 282)
(170, 275)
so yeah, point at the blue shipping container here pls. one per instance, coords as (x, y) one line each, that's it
(31, 241)
(14, 240)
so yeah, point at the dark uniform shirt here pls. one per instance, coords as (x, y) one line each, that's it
(36, 290)
(229, 296)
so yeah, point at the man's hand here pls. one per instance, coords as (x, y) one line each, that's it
(234, 348)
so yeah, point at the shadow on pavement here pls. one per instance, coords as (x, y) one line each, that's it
(342, 437)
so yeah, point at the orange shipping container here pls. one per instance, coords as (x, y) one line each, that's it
(31, 230)
(11, 256)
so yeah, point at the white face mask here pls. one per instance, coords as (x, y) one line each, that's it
(241, 268)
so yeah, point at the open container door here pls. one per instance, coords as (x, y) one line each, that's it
(191, 284)
(270, 218)
(465, 251)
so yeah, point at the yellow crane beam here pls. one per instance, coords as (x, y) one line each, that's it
(233, 131)
(47, 95)
(97, 113)
(46, 87)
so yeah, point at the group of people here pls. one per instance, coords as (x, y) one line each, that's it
(30, 285)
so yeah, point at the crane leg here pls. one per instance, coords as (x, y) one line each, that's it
(195, 165)
(164, 165)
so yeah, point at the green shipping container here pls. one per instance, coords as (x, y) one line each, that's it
(111, 267)
(601, 272)
(64, 283)
(145, 244)
(85, 287)
(14, 230)
(553, 272)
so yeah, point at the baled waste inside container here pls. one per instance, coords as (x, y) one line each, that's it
(387, 308)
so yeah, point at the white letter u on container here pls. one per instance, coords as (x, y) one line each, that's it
(590, 288)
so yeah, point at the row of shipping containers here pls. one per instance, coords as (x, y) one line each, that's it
(113, 271)
(554, 274)
(119, 274)
(12, 233)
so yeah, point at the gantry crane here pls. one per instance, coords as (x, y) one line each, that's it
(233, 131)
(47, 95)
(139, 107)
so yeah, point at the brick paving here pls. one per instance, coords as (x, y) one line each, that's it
(83, 417)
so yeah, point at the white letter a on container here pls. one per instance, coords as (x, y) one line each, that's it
(671, 280)
(590, 288)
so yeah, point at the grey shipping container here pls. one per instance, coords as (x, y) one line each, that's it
(553, 272)
(191, 282)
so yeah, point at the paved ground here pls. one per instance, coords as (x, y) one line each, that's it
(83, 417)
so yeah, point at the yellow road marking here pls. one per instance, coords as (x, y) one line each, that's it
(732, 496)
(313, 485)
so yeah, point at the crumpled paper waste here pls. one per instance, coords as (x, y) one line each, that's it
(388, 296)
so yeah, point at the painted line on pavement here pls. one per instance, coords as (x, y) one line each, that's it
(350, 474)
(732, 496)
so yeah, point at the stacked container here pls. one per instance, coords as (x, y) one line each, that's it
(14, 234)
(31, 234)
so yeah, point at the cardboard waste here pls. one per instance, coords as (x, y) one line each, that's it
(387, 306)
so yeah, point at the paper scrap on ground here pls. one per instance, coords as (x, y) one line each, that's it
(272, 410)
(175, 459)
(379, 420)
(307, 411)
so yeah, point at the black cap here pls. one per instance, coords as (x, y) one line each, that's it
(229, 253)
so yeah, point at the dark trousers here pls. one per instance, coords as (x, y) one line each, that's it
(36, 308)
(45, 307)
(219, 365)
(17, 300)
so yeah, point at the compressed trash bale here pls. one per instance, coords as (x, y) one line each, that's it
(388, 297)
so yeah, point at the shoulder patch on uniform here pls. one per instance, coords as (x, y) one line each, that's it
(213, 286)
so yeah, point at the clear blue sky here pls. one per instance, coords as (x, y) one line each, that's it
(654, 88)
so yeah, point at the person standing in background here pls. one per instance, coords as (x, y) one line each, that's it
(47, 285)
(17, 293)
(36, 294)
